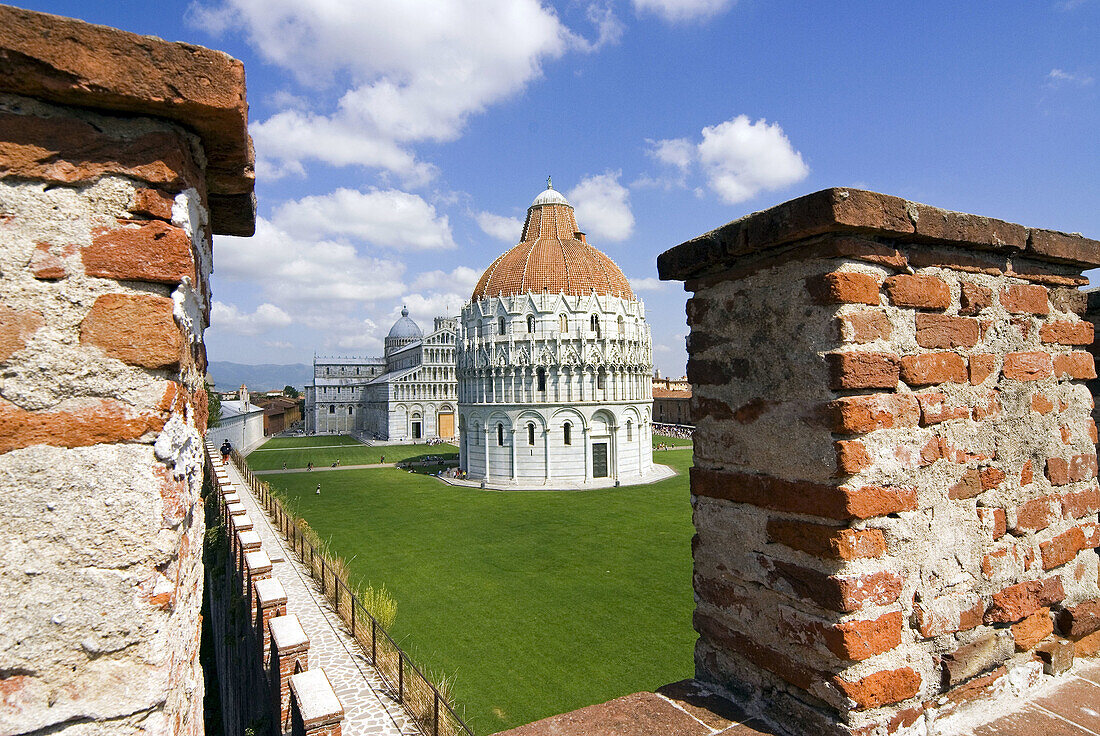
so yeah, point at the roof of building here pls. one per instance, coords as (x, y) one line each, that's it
(405, 328)
(552, 255)
(670, 393)
(236, 408)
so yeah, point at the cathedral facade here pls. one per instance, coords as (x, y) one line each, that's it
(554, 363)
(409, 394)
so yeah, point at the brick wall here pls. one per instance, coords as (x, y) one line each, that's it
(895, 486)
(120, 155)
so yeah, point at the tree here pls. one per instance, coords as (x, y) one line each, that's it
(214, 406)
(290, 391)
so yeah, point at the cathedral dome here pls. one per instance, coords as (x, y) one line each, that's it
(553, 255)
(405, 328)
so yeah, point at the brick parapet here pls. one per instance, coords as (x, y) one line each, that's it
(895, 472)
(316, 711)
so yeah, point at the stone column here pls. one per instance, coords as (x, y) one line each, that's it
(289, 656)
(512, 443)
(270, 600)
(486, 432)
(546, 449)
(895, 472)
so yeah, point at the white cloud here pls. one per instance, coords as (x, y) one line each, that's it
(415, 69)
(279, 344)
(602, 207)
(1058, 77)
(679, 11)
(508, 229)
(462, 279)
(738, 158)
(658, 348)
(647, 283)
(386, 218)
(423, 308)
(309, 272)
(231, 319)
(741, 158)
(609, 28)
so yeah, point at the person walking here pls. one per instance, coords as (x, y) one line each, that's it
(318, 489)
(226, 448)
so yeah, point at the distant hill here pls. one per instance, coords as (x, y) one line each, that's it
(228, 376)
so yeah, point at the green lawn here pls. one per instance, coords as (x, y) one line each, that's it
(535, 602)
(348, 454)
(321, 441)
(674, 441)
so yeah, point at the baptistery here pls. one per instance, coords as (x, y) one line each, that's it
(554, 364)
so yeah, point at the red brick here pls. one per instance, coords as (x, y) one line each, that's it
(844, 287)
(948, 614)
(859, 639)
(764, 657)
(1006, 563)
(1025, 299)
(138, 329)
(994, 520)
(1085, 503)
(1041, 404)
(1032, 630)
(1067, 333)
(861, 414)
(881, 688)
(862, 370)
(987, 406)
(1091, 424)
(933, 409)
(1028, 366)
(799, 497)
(920, 292)
(1078, 468)
(1019, 601)
(828, 542)
(968, 486)
(1088, 645)
(991, 478)
(1062, 548)
(865, 502)
(973, 298)
(945, 331)
(153, 203)
(933, 368)
(931, 452)
(851, 457)
(981, 366)
(46, 265)
(1026, 474)
(16, 327)
(866, 326)
(833, 592)
(1079, 366)
(152, 251)
(98, 422)
(1080, 620)
(1070, 301)
(1062, 246)
(1036, 515)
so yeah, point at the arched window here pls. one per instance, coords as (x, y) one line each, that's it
(563, 323)
(601, 378)
(596, 324)
(541, 374)
(629, 430)
(332, 408)
(350, 410)
(530, 433)
(567, 430)
(480, 333)
(500, 435)
(530, 323)
(622, 327)
(500, 325)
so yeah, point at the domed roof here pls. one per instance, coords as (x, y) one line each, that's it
(405, 328)
(552, 255)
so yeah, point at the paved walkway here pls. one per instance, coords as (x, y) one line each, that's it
(368, 711)
(323, 469)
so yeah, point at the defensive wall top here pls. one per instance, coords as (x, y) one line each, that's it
(70, 62)
(839, 210)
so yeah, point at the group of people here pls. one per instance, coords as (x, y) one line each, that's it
(673, 430)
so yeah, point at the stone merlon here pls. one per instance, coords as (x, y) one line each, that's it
(71, 62)
(866, 213)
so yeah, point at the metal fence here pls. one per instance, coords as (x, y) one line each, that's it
(430, 709)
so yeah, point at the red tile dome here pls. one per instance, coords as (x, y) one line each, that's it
(552, 255)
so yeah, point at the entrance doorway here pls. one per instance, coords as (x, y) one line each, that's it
(446, 424)
(599, 459)
(416, 430)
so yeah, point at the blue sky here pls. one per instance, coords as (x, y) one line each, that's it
(400, 142)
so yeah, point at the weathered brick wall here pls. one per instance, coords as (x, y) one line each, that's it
(895, 486)
(107, 193)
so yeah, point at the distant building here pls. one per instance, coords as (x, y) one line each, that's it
(242, 423)
(280, 412)
(409, 394)
(671, 406)
(670, 384)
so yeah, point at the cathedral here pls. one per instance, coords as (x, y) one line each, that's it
(554, 364)
(409, 394)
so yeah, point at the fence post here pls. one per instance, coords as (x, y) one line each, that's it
(353, 602)
(373, 642)
(435, 727)
(322, 574)
(400, 675)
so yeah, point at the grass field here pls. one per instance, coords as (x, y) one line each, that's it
(673, 441)
(322, 441)
(534, 602)
(323, 456)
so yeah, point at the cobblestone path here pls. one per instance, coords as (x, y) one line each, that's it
(368, 710)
